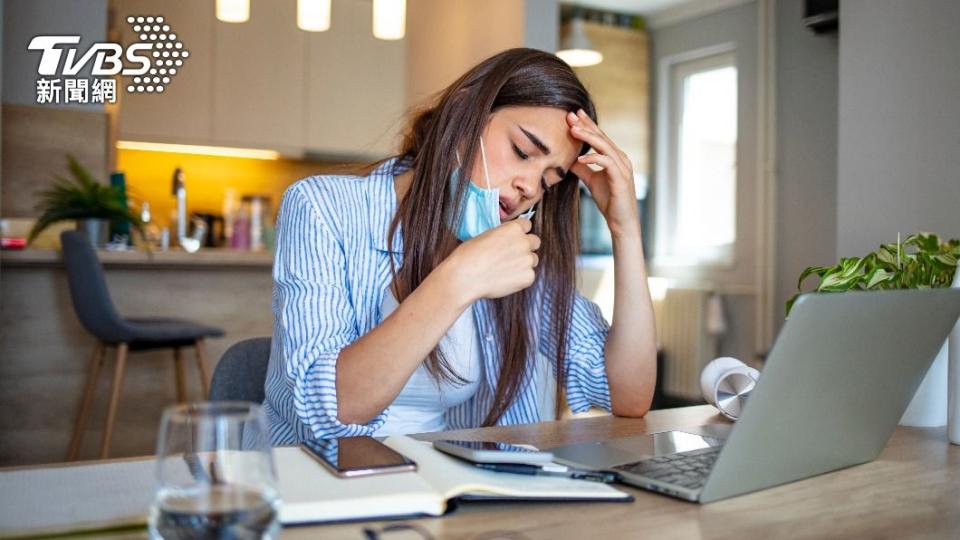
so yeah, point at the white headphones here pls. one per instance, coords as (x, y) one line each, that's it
(726, 382)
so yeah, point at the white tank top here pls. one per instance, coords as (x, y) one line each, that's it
(421, 405)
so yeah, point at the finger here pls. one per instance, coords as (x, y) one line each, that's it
(534, 242)
(602, 160)
(524, 224)
(596, 140)
(586, 174)
(585, 122)
(530, 278)
(535, 261)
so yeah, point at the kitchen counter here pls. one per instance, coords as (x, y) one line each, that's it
(175, 258)
(46, 352)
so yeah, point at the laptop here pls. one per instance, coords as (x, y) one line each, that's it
(834, 387)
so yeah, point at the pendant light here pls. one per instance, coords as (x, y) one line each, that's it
(313, 15)
(389, 19)
(233, 11)
(576, 49)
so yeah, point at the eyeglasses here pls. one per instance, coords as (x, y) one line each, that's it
(372, 533)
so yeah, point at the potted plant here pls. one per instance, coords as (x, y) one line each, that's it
(92, 204)
(922, 261)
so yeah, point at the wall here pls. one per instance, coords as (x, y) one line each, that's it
(541, 19)
(149, 177)
(806, 234)
(25, 19)
(899, 122)
(445, 38)
(35, 137)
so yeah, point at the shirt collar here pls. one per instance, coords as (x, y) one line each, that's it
(382, 202)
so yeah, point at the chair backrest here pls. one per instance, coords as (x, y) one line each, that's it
(88, 289)
(242, 371)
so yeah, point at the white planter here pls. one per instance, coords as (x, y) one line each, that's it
(953, 378)
(929, 405)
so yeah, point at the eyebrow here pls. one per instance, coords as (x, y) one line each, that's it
(543, 148)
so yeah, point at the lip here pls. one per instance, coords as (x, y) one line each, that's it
(506, 209)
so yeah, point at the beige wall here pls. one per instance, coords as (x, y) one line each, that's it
(445, 38)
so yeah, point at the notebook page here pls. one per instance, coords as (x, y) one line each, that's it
(310, 493)
(453, 477)
(74, 498)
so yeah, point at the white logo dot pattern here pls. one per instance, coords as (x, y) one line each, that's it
(167, 51)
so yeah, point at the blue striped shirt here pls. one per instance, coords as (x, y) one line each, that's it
(331, 269)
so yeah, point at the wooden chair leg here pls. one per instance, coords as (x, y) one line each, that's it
(93, 373)
(203, 370)
(178, 372)
(114, 399)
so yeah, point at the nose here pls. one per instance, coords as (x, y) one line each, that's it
(528, 185)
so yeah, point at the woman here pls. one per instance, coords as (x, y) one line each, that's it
(418, 298)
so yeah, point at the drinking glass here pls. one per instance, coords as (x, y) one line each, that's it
(215, 473)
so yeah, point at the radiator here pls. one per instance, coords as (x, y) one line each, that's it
(686, 340)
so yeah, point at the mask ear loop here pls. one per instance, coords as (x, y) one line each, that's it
(483, 153)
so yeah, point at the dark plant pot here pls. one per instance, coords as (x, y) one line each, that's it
(97, 231)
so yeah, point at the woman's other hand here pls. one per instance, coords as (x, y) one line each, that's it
(612, 187)
(497, 263)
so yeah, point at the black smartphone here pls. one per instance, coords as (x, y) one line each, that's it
(351, 457)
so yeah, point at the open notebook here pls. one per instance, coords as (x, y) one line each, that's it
(101, 496)
(311, 494)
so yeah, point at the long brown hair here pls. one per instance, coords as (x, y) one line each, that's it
(454, 120)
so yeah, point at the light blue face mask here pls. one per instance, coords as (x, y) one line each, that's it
(481, 206)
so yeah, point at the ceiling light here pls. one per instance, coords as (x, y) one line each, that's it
(222, 151)
(576, 49)
(233, 11)
(389, 18)
(313, 15)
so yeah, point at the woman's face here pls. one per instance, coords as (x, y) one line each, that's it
(529, 150)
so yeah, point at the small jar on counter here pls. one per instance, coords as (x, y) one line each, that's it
(250, 222)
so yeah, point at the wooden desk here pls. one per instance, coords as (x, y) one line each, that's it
(911, 491)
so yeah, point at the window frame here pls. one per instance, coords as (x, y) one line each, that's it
(671, 73)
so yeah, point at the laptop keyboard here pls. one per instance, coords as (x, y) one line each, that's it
(689, 469)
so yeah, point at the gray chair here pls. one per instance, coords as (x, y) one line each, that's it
(242, 371)
(94, 308)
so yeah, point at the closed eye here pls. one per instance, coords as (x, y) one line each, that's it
(519, 152)
(522, 155)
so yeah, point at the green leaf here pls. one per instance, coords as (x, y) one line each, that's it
(789, 305)
(810, 270)
(925, 241)
(878, 277)
(837, 282)
(888, 254)
(81, 198)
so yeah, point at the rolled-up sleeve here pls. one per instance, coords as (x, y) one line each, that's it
(584, 361)
(315, 316)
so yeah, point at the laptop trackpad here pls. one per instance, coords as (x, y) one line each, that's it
(605, 454)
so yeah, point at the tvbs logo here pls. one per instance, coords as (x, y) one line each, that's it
(107, 57)
(149, 62)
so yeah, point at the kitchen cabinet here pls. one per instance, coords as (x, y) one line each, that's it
(267, 84)
(181, 113)
(355, 85)
(258, 82)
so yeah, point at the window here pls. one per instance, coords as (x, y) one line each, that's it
(697, 205)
